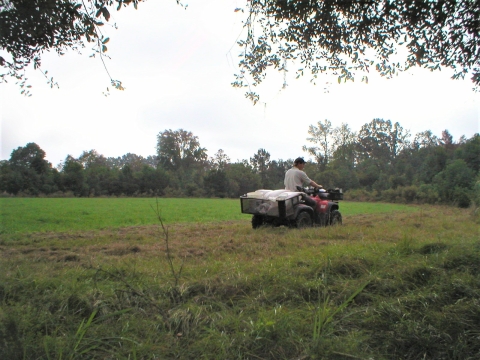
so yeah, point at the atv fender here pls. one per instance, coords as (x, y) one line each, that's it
(332, 206)
(302, 207)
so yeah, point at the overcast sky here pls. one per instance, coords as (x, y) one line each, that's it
(177, 66)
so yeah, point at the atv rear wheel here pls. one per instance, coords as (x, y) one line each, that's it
(303, 220)
(257, 221)
(335, 218)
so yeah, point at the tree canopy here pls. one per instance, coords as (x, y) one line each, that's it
(179, 149)
(340, 37)
(343, 37)
(28, 28)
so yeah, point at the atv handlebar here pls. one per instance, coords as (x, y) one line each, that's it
(309, 190)
(333, 194)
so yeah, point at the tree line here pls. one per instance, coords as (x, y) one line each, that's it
(381, 161)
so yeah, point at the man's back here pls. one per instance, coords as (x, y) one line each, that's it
(295, 177)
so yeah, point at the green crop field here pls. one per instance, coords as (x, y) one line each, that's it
(22, 215)
(101, 279)
(31, 215)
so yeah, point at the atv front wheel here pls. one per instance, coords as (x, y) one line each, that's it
(335, 218)
(303, 220)
(257, 221)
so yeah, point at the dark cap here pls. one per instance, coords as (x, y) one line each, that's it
(299, 160)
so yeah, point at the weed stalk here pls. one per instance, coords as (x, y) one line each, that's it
(176, 274)
(324, 314)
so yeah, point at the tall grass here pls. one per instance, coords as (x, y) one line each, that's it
(397, 285)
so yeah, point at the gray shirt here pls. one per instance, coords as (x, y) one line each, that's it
(295, 177)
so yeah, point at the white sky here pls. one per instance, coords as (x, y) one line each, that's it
(177, 66)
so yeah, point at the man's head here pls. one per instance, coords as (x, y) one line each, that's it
(299, 163)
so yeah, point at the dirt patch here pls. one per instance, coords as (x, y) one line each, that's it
(71, 257)
(121, 250)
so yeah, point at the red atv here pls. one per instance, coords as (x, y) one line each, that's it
(289, 208)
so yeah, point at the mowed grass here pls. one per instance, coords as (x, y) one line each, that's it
(24, 215)
(21, 215)
(402, 283)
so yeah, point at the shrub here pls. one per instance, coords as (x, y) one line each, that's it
(409, 193)
(476, 192)
(457, 175)
(171, 192)
(390, 195)
(461, 197)
(427, 194)
(358, 195)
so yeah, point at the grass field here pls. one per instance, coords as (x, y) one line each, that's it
(394, 282)
(25, 215)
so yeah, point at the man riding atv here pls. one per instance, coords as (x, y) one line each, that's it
(296, 205)
(296, 177)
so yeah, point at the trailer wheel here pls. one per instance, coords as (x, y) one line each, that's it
(257, 221)
(303, 220)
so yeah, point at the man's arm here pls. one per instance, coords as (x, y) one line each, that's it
(314, 184)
